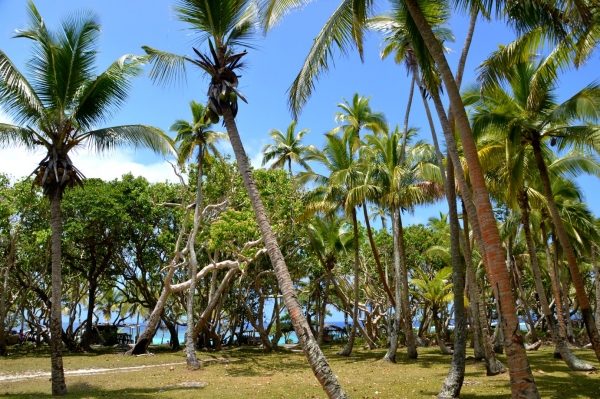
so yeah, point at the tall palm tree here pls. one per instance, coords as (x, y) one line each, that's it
(58, 108)
(356, 117)
(402, 185)
(287, 148)
(332, 194)
(527, 114)
(224, 24)
(190, 135)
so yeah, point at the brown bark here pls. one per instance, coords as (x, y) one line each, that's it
(586, 310)
(315, 357)
(522, 382)
(59, 387)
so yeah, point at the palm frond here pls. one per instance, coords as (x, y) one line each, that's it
(98, 99)
(136, 136)
(167, 68)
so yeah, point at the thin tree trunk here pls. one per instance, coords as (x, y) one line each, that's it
(93, 285)
(453, 383)
(9, 264)
(522, 381)
(570, 359)
(555, 284)
(315, 357)
(586, 310)
(493, 365)
(59, 387)
(190, 343)
(347, 350)
(406, 116)
(382, 277)
(402, 287)
(323, 311)
(478, 337)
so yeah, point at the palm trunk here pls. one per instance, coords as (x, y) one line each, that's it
(190, 343)
(401, 277)
(382, 276)
(493, 365)
(586, 310)
(347, 350)
(406, 115)
(555, 284)
(478, 337)
(315, 357)
(59, 387)
(390, 355)
(570, 359)
(522, 381)
(597, 282)
(453, 383)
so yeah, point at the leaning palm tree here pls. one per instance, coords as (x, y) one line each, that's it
(287, 148)
(190, 135)
(58, 108)
(224, 24)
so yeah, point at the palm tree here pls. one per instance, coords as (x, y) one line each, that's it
(354, 118)
(528, 114)
(190, 135)
(287, 148)
(57, 109)
(329, 237)
(435, 293)
(332, 194)
(402, 185)
(224, 24)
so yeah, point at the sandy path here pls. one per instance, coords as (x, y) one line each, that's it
(30, 375)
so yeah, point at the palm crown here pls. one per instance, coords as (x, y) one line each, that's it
(61, 104)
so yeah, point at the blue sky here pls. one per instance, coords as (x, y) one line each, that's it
(128, 25)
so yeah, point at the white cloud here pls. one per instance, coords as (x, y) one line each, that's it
(19, 162)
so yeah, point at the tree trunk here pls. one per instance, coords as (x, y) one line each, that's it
(3, 311)
(456, 374)
(522, 381)
(315, 357)
(401, 280)
(87, 337)
(144, 340)
(382, 276)
(190, 344)
(347, 350)
(586, 310)
(570, 359)
(597, 282)
(406, 116)
(59, 387)
(553, 278)
(478, 347)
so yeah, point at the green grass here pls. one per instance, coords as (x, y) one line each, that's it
(250, 373)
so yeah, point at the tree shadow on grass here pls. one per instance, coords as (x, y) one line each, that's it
(85, 390)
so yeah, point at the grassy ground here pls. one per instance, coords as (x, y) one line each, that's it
(250, 373)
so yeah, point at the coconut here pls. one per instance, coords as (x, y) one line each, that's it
(232, 97)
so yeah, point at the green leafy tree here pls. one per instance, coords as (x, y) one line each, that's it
(286, 148)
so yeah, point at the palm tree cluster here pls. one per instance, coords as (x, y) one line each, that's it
(521, 235)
